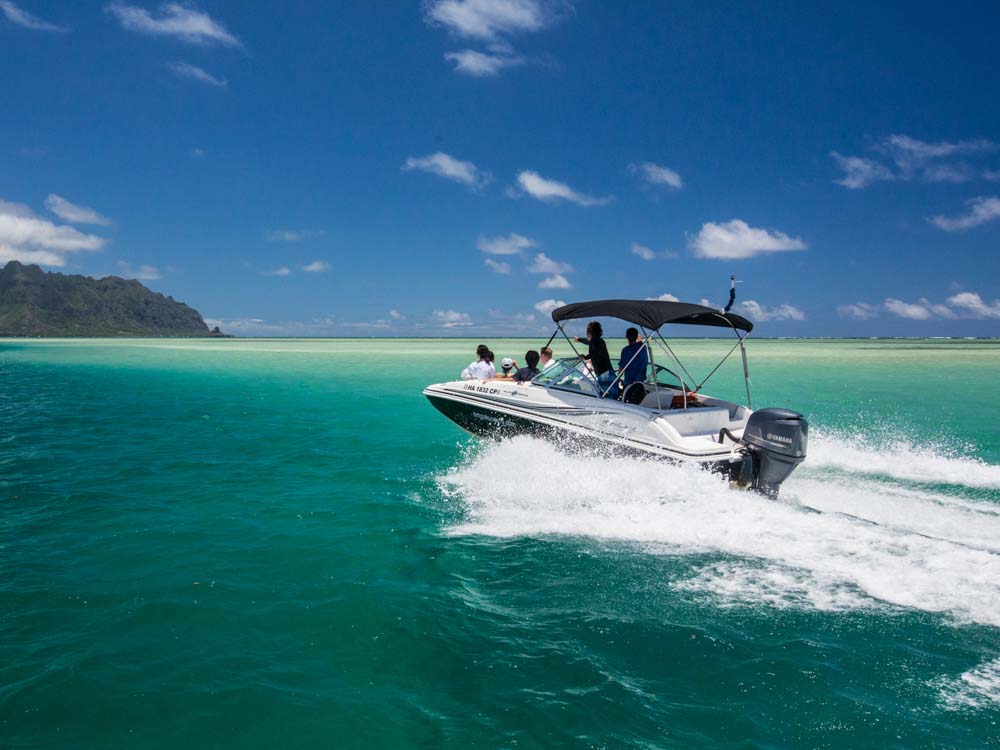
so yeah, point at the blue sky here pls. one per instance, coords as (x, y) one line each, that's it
(453, 167)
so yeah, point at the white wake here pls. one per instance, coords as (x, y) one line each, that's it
(834, 540)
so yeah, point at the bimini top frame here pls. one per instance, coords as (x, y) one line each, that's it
(653, 315)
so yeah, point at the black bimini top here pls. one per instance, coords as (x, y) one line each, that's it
(652, 313)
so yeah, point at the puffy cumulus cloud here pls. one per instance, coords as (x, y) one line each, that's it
(647, 253)
(183, 22)
(451, 318)
(544, 264)
(498, 266)
(734, 240)
(555, 281)
(447, 166)
(544, 189)
(317, 266)
(194, 73)
(22, 18)
(279, 271)
(29, 238)
(488, 64)
(758, 312)
(665, 297)
(145, 272)
(910, 310)
(396, 315)
(959, 305)
(512, 244)
(546, 306)
(73, 213)
(981, 210)
(973, 306)
(858, 311)
(656, 174)
(491, 19)
(907, 158)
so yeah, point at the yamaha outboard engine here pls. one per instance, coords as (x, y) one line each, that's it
(776, 440)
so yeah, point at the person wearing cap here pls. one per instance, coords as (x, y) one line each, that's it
(482, 368)
(507, 369)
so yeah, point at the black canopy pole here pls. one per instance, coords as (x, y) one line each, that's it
(580, 356)
(551, 338)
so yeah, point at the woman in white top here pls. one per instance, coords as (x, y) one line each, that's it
(482, 368)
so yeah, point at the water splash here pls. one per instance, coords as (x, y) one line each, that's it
(844, 542)
(974, 689)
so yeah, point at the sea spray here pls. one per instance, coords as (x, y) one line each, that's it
(814, 547)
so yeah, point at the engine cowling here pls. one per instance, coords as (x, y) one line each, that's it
(776, 439)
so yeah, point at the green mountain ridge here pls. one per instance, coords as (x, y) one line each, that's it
(36, 303)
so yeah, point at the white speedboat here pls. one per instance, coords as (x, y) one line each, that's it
(666, 416)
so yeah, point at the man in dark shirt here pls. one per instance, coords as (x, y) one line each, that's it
(524, 374)
(634, 359)
(600, 360)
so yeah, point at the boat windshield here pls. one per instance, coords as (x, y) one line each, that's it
(568, 374)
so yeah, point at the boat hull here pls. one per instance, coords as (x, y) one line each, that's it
(495, 412)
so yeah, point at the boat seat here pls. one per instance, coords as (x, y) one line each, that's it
(704, 420)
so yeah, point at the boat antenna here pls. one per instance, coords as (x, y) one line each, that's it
(733, 281)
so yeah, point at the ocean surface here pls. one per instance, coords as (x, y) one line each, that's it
(280, 543)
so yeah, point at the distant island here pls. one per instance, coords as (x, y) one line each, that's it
(36, 303)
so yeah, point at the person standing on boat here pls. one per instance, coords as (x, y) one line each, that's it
(634, 359)
(600, 360)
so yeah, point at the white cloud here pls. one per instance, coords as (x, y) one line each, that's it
(396, 315)
(858, 311)
(552, 190)
(647, 253)
(545, 264)
(194, 73)
(490, 19)
(910, 153)
(665, 297)
(656, 174)
(912, 158)
(546, 306)
(24, 19)
(993, 175)
(736, 240)
(484, 64)
(447, 166)
(642, 251)
(949, 173)
(498, 266)
(981, 211)
(32, 239)
(145, 272)
(451, 318)
(759, 312)
(908, 310)
(512, 244)
(556, 281)
(971, 304)
(279, 271)
(292, 235)
(73, 213)
(317, 266)
(174, 20)
(860, 172)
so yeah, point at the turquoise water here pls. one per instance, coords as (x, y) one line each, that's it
(279, 543)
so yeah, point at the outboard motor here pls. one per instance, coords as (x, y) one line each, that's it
(776, 440)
